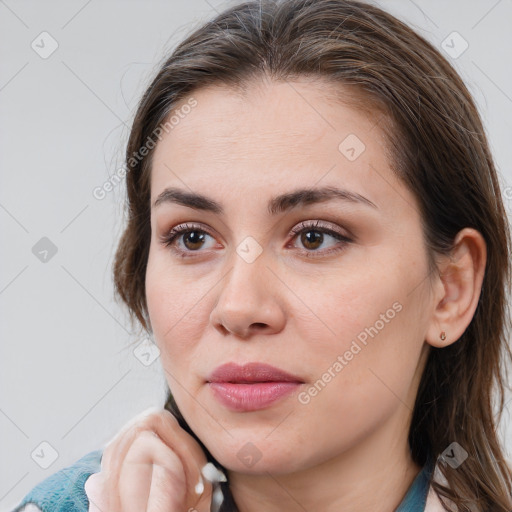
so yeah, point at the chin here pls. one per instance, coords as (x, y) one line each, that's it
(259, 457)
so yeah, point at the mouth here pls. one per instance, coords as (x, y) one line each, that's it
(251, 387)
(251, 373)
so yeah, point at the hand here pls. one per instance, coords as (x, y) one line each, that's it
(153, 465)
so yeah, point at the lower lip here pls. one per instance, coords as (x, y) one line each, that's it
(251, 397)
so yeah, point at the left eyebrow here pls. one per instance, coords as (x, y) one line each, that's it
(279, 204)
(306, 196)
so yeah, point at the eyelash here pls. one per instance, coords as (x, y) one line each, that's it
(169, 238)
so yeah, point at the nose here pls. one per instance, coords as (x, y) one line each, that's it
(249, 300)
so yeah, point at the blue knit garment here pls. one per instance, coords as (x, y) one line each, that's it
(64, 490)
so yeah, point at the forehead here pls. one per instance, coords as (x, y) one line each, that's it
(272, 134)
(271, 113)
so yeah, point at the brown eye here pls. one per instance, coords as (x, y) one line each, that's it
(313, 236)
(311, 239)
(193, 240)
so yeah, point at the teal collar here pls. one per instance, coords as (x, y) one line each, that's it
(416, 497)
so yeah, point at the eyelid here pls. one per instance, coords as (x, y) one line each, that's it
(306, 224)
(183, 228)
(319, 224)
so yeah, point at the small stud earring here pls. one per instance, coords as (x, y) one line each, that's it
(442, 335)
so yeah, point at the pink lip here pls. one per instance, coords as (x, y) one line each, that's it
(252, 386)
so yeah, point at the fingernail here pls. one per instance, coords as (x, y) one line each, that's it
(212, 474)
(217, 499)
(199, 488)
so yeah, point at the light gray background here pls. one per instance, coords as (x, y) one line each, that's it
(68, 374)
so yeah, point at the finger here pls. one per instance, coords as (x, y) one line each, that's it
(114, 454)
(111, 449)
(95, 495)
(112, 446)
(160, 498)
(166, 426)
(152, 474)
(111, 465)
(168, 429)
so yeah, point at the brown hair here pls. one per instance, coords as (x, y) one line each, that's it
(437, 146)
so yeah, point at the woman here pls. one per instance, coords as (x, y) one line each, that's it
(317, 244)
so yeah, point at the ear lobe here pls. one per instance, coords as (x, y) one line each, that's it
(459, 285)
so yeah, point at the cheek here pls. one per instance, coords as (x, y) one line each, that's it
(362, 326)
(363, 377)
(344, 305)
(176, 310)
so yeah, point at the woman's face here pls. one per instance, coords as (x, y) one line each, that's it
(332, 291)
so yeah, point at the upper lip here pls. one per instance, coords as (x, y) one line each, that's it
(251, 372)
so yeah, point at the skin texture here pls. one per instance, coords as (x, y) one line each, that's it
(296, 312)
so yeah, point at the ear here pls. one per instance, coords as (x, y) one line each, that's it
(457, 288)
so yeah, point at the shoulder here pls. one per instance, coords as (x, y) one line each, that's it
(64, 490)
(433, 503)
